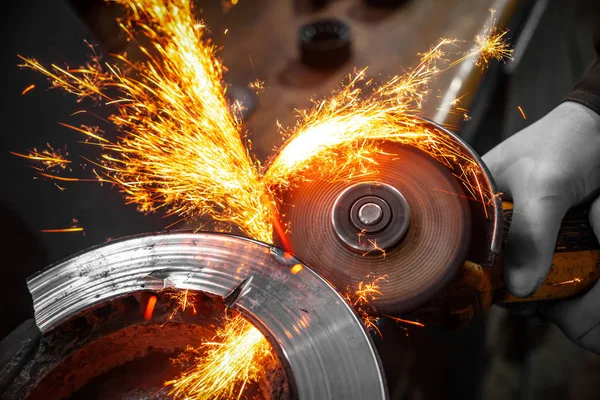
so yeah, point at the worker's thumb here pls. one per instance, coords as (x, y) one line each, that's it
(531, 242)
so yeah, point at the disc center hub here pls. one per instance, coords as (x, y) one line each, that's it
(368, 213)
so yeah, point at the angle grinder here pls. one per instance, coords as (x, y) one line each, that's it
(426, 228)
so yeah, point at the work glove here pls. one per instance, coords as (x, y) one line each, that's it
(547, 168)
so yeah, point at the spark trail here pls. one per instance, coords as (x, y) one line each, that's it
(182, 148)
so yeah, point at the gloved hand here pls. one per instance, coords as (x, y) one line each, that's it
(547, 168)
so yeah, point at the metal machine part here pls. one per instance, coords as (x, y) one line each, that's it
(325, 44)
(326, 350)
(378, 212)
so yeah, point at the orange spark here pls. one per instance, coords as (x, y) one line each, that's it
(28, 89)
(236, 357)
(257, 85)
(522, 112)
(150, 308)
(374, 247)
(62, 230)
(406, 321)
(570, 281)
(68, 179)
(48, 158)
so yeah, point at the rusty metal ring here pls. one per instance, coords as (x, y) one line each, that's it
(326, 348)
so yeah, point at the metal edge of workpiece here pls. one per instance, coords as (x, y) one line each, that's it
(497, 221)
(328, 351)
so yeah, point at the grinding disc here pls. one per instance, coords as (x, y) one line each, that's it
(419, 263)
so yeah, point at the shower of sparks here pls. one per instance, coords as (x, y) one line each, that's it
(490, 45)
(46, 159)
(341, 133)
(184, 300)
(182, 148)
(27, 89)
(362, 299)
(235, 358)
(522, 112)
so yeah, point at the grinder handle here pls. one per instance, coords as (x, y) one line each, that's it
(576, 263)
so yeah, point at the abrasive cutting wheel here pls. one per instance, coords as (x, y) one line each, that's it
(408, 221)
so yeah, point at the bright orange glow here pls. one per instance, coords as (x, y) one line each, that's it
(296, 268)
(522, 112)
(28, 89)
(150, 307)
(62, 230)
(236, 356)
(281, 232)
